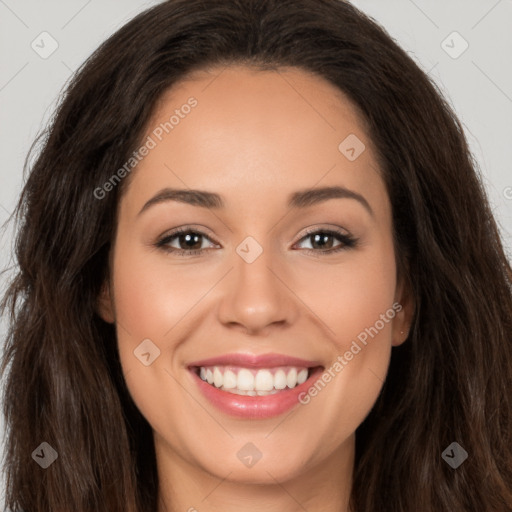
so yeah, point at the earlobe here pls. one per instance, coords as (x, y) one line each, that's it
(104, 304)
(401, 338)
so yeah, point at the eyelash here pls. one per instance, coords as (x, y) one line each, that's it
(348, 242)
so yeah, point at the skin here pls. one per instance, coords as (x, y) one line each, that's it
(254, 138)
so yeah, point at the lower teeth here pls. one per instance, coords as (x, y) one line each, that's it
(251, 393)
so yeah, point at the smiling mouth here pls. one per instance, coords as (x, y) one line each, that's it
(254, 381)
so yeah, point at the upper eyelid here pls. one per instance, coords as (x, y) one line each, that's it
(180, 230)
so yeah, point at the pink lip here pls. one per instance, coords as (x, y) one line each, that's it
(255, 361)
(255, 407)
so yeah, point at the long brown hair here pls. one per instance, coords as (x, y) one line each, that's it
(450, 381)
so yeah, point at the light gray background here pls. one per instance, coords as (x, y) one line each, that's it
(478, 83)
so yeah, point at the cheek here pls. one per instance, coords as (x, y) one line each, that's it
(147, 305)
(352, 297)
(151, 295)
(358, 310)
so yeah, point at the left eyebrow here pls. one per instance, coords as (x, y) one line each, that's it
(312, 196)
(299, 199)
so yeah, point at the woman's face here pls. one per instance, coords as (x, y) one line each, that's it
(285, 283)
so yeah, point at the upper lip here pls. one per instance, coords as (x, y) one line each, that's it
(255, 361)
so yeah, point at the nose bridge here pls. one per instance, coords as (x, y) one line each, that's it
(256, 295)
(253, 265)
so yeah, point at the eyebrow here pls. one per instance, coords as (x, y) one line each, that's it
(299, 199)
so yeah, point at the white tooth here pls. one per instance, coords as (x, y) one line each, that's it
(291, 378)
(280, 379)
(217, 377)
(302, 376)
(263, 393)
(202, 373)
(229, 379)
(251, 393)
(209, 376)
(264, 381)
(245, 381)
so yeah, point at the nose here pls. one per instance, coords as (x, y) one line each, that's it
(257, 295)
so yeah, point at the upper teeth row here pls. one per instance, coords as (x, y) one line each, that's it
(260, 380)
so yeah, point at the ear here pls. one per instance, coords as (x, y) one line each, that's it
(404, 306)
(105, 304)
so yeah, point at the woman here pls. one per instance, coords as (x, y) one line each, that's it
(151, 372)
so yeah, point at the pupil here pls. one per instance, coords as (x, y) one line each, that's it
(319, 237)
(190, 238)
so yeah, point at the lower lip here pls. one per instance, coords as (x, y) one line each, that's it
(255, 407)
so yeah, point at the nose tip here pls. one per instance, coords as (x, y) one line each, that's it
(255, 296)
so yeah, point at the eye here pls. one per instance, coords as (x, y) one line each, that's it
(323, 239)
(189, 242)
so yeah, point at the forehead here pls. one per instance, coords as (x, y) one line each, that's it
(255, 135)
